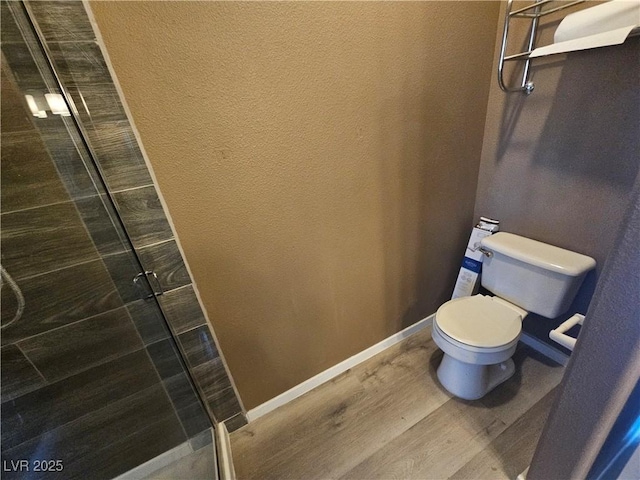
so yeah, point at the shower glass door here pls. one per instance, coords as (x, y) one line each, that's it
(93, 383)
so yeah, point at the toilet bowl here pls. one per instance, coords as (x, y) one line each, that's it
(479, 334)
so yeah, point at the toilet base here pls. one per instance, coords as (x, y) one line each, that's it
(469, 381)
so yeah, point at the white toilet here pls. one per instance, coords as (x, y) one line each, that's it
(479, 334)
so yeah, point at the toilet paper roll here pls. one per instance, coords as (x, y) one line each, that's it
(603, 25)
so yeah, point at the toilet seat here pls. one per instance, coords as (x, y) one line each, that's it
(479, 323)
(470, 351)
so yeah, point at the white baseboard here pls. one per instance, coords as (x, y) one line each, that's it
(336, 370)
(546, 350)
(523, 475)
(223, 448)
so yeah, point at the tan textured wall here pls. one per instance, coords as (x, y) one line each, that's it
(559, 165)
(319, 161)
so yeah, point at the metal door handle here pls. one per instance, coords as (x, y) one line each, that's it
(152, 274)
(155, 292)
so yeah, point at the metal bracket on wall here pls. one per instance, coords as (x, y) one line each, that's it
(533, 12)
(148, 275)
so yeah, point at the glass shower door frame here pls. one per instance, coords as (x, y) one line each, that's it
(144, 284)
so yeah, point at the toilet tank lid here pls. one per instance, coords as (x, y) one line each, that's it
(540, 254)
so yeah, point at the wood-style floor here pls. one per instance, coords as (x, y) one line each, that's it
(388, 418)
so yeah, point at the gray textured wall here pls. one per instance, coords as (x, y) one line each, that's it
(559, 165)
(604, 367)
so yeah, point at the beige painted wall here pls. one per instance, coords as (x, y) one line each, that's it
(319, 161)
(559, 165)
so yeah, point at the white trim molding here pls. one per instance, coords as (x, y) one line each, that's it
(336, 370)
(358, 358)
(225, 459)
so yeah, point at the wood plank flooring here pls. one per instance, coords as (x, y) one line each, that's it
(388, 418)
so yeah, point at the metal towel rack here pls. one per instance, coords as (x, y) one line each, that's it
(532, 12)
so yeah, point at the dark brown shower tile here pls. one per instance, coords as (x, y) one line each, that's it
(148, 320)
(24, 69)
(166, 261)
(112, 417)
(52, 406)
(79, 63)
(100, 429)
(143, 216)
(216, 386)
(194, 419)
(97, 103)
(235, 422)
(165, 358)
(29, 176)
(18, 375)
(9, 31)
(214, 383)
(123, 268)
(43, 239)
(182, 309)
(63, 20)
(81, 345)
(224, 405)
(198, 346)
(101, 222)
(129, 452)
(118, 155)
(16, 116)
(37, 158)
(72, 161)
(212, 377)
(58, 298)
(180, 391)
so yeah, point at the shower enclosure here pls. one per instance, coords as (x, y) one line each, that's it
(95, 379)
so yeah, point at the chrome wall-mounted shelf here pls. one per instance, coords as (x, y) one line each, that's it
(609, 23)
(532, 12)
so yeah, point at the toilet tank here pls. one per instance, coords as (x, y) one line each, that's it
(536, 276)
